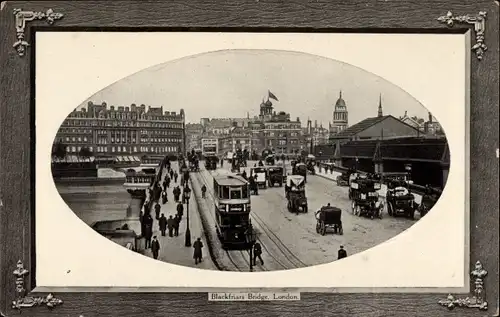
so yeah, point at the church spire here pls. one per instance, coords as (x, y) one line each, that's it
(340, 96)
(380, 114)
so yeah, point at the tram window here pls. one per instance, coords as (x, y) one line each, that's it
(244, 192)
(236, 194)
(225, 192)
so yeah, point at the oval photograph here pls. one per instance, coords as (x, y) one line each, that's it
(250, 160)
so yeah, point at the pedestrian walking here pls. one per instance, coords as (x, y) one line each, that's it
(197, 255)
(170, 225)
(162, 224)
(171, 174)
(177, 221)
(203, 191)
(157, 211)
(176, 175)
(148, 232)
(155, 248)
(222, 162)
(164, 197)
(342, 253)
(177, 193)
(180, 210)
(257, 253)
(167, 180)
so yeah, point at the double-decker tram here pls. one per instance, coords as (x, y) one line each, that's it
(232, 210)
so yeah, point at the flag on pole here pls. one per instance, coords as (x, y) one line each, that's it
(272, 96)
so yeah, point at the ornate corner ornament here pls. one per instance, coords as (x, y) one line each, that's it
(479, 26)
(24, 301)
(25, 16)
(478, 300)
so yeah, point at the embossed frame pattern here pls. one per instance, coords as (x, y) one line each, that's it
(16, 194)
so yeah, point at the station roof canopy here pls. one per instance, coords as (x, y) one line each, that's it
(73, 159)
(230, 180)
(127, 159)
(360, 126)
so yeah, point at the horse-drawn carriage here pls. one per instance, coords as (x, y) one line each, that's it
(300, 169)
(211, 162)
(275, 175)
(194, 165)
(400, 200)
(311, 164)
(365, 197)
(329, 217)
(295, 193)
(260, 176)
(344, 178)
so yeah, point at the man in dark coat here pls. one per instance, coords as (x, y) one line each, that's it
(157, 211)
(203, 191)
(342, 253)
(148, 231)
(162, 224)
(155, 248)
(176, 176)
(177, 193)
(170, 225)
(180, 210)
(177, 220)
(197, 255)
(167, 180)
(257, 253)
(171, 174)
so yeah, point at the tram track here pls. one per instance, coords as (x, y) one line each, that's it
(238, 259)
(288, 260)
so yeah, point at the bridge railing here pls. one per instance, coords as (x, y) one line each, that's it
(414, 187)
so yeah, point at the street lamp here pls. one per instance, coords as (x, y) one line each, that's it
(408, 169)
(251, 237)
(187, 195)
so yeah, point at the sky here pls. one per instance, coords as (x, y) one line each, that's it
(232, 83)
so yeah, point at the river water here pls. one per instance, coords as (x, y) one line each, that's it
(95, 202)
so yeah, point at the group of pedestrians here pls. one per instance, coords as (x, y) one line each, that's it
(166, 224)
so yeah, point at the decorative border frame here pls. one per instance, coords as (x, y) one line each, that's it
(16, 150)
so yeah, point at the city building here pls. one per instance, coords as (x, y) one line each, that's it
(123, 131)
(275, 131)
(222, 126)
(315, 135)
(194, 132)
(340, 116)
(237, 138)
(432, 127)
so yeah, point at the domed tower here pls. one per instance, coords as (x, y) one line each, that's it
(340, 116)
(266, 109)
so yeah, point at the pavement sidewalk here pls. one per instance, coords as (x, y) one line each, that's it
(173, 249)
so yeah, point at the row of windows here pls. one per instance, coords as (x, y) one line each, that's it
(120, 140)
(114, 123)
(125, 149)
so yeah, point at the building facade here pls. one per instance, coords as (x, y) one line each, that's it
(237, 138)
(275, 131)
(194, 132)
(134, 130)
(315, 135)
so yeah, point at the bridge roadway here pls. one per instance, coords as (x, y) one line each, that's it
(290, 241)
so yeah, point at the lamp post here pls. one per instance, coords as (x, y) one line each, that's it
(187, 195)
(408, 170)
(251, 238)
